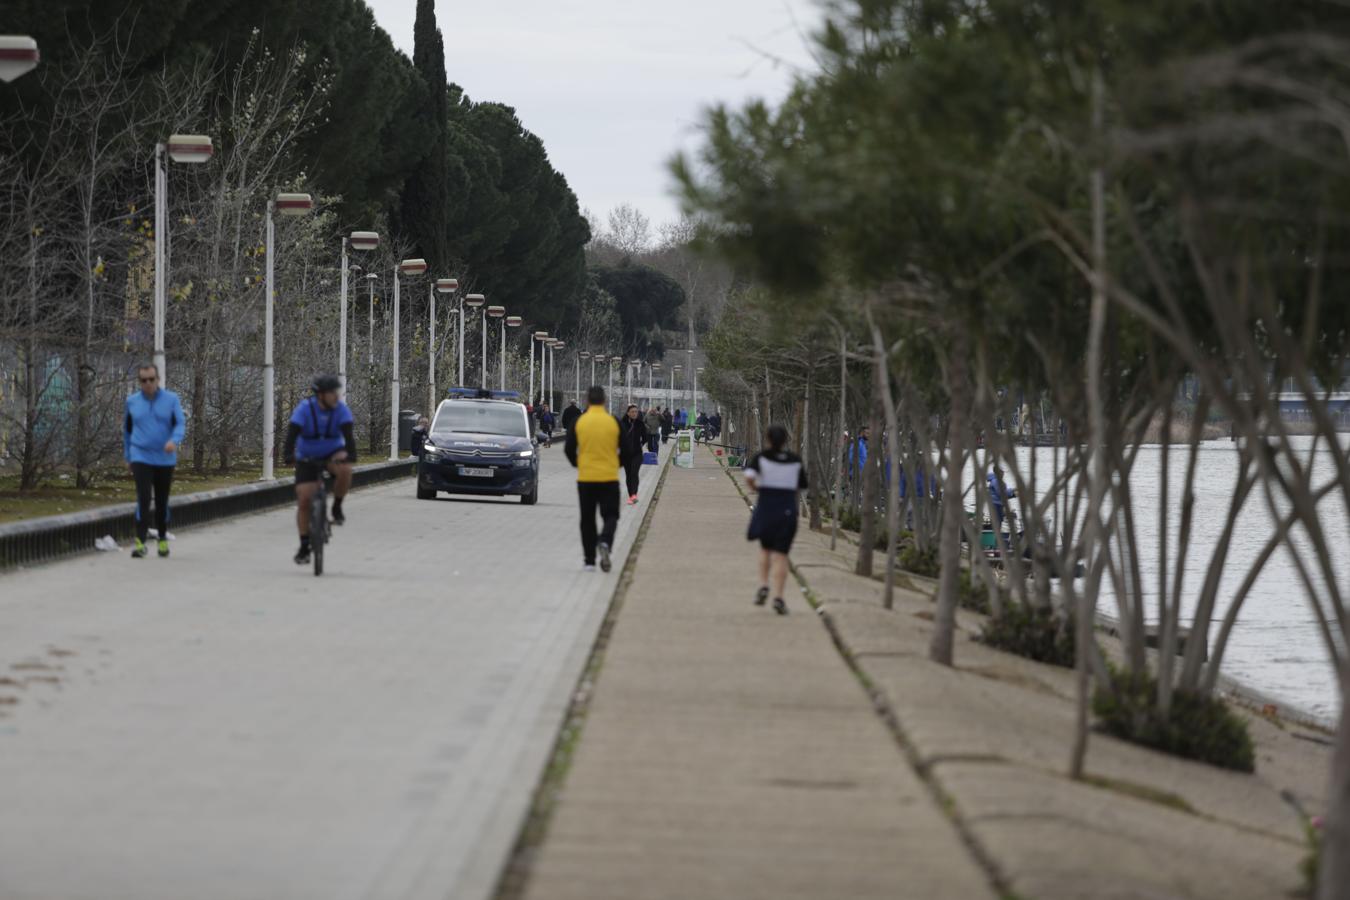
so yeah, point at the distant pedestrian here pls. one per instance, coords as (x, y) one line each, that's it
(631, 444)
(776, 474)
(153, 426)
(419, 435)
(999, 494)
(593, 448)
(653, 428)
(570, 416)
(546, 422)
(667, 425)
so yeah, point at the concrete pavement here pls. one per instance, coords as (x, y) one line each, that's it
(730, 753)
(222, 725)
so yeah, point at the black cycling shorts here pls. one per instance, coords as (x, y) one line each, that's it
(307, 470)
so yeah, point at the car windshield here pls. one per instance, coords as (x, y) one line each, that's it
(481, 418)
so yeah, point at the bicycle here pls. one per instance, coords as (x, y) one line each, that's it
(320, 526)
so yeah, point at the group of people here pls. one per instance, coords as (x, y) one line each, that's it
(599, 445)
(320, 437)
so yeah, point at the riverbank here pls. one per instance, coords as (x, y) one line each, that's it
(994, 732)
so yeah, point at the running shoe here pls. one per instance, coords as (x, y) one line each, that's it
(761, 596)
(604, 557)
(339, 517)
(302, 556)
(632, 498)
(139, 551)
(588, 567)
(779, 606)
(163, 548)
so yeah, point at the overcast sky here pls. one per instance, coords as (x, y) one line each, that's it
(614, 87)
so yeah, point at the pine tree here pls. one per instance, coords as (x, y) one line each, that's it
(426, 195)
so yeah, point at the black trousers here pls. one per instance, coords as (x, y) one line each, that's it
(631, 468)
(156, 479)
(654, 441)
(603, 495)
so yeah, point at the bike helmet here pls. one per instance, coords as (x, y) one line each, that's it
(326, 383)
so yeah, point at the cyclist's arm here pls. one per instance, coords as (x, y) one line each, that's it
(126, 433)
(350, 437)
(292, 432)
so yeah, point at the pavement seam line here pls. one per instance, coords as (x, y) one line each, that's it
(882, 706)
(515, 875)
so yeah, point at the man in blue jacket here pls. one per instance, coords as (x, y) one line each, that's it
(152, 429)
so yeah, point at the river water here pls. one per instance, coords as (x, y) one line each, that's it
(1276, 648)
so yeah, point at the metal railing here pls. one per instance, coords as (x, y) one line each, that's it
(51, 537)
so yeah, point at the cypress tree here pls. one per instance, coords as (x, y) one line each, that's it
(426, 193)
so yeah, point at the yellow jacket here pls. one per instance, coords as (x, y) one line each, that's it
(593, 446)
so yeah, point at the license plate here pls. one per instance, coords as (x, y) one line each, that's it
(476, 472)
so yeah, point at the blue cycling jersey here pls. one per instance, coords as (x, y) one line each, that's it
(320, 429)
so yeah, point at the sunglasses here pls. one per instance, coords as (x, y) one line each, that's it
(151, 380)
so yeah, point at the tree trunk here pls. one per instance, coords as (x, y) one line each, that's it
(949, 547)
(1333, 874)
(888, 453)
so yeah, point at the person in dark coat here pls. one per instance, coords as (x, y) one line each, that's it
(667, 425)
(570, 416)
(419, 436)
(632, 442)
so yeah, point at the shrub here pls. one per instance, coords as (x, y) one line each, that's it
(1199, 727)
(920, 562)
(971, 593)
(1036, 633)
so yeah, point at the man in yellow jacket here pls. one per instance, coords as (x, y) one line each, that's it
(593, 448)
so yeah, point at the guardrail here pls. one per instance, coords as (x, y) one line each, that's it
(50, 537)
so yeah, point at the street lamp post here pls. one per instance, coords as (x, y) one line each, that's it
(510, 322)
(656, 367)
(585, 354)
(358, 240)
(287, 205)
(370, 326)
(609, 394)
(496, 312)
(597, 358)
(18, 56)
(537, 338)
(674, 375)
(181, 148)
(552, 373)
(412, 268)
(441, 286)
(474, 301)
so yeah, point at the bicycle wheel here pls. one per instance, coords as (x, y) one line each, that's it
(318, 527)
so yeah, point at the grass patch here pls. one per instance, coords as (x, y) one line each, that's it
(1198, 727)
(1141, 792)
(58, 495)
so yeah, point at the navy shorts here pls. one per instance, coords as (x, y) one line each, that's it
(774, 526)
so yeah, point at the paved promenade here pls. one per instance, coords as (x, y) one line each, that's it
(729, 752)
(222, 725)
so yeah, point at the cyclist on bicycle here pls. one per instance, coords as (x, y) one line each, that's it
(320, 437)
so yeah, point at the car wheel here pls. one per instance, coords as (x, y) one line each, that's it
(425, 494)
(532, 497)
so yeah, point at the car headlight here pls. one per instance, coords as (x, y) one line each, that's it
(525, 454)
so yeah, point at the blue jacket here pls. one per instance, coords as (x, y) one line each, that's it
(998, 494)
(857, 455)
(150, 424)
